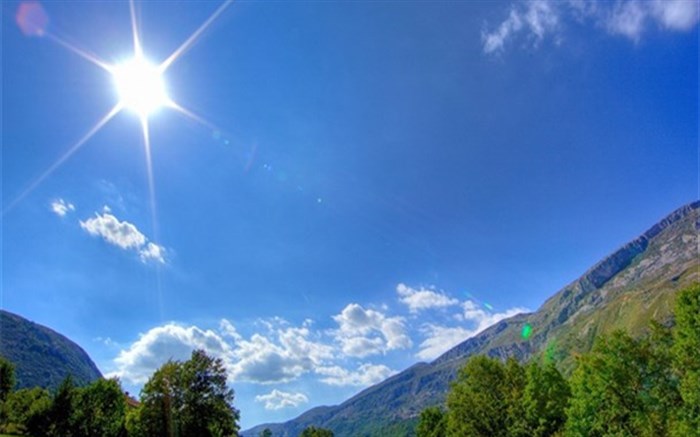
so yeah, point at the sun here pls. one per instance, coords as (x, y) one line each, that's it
(140, 86)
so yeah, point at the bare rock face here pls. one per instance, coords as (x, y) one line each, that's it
(626, 290)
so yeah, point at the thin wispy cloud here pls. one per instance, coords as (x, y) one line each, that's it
(366, 374)
(123, 235)
(61, 207)
(533, 21)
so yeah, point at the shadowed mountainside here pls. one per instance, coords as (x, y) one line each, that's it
(42, 357)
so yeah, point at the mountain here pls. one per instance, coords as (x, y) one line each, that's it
(42, 357)
(626, 290)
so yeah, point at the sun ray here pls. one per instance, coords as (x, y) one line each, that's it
(138, 52)
(154, 214)
(78, 51)
(193, 38)
(189, 114)
(64, 157)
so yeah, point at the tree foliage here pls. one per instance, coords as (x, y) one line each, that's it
(476, 402)
(187, 399)
(312, 431)
(7, 378)
(686, 361)
(432, 423)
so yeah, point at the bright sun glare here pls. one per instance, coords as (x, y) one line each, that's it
(140, 86)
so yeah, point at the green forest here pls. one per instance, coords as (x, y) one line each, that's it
(625, 386)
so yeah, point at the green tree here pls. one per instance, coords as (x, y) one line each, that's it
(28, 411)
(432, 423)
(188, 399)
(312, 431)
(622, 387)
(476, 402)
(514, 386)
(686, 360)
(99, 410)
(265, 433)
(7, 378)
(61, 411)
(545, 398)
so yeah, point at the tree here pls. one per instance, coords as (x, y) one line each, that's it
(432, 423)
(99, 410)
(312, 431)
(28, 411)
(622, 387)
(514, 386)
(7, 378)
(477, 400)
(545, 398)
(188, 399)
(61, 411)
(686, 360)
(265, 433)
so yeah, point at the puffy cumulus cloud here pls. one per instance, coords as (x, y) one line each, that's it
(123, 234)
(537, 19)
(289, 354)
(362, 332)
(61, 207)
(171, 341)
(282, 355)
(366, 374)
(277, 399)
(440, 339)
(423, 298)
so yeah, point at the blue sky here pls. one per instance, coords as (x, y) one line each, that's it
(367, 184)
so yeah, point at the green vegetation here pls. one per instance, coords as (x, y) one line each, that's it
(312, 431)
(623, 387)
(187, 398)
(42, 357)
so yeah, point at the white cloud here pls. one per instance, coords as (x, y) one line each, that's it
(423, 298)
(284, 355)
(162, 343)
(364, 332)
(60, 207)
(440, 339)
(122, 234)
(483, 319)
(366, 374)
(538, 19)
(277, 400)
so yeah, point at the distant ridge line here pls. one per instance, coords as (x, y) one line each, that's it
(603, 271)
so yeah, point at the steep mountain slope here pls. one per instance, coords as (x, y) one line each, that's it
(42, 357)
(626, 290)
